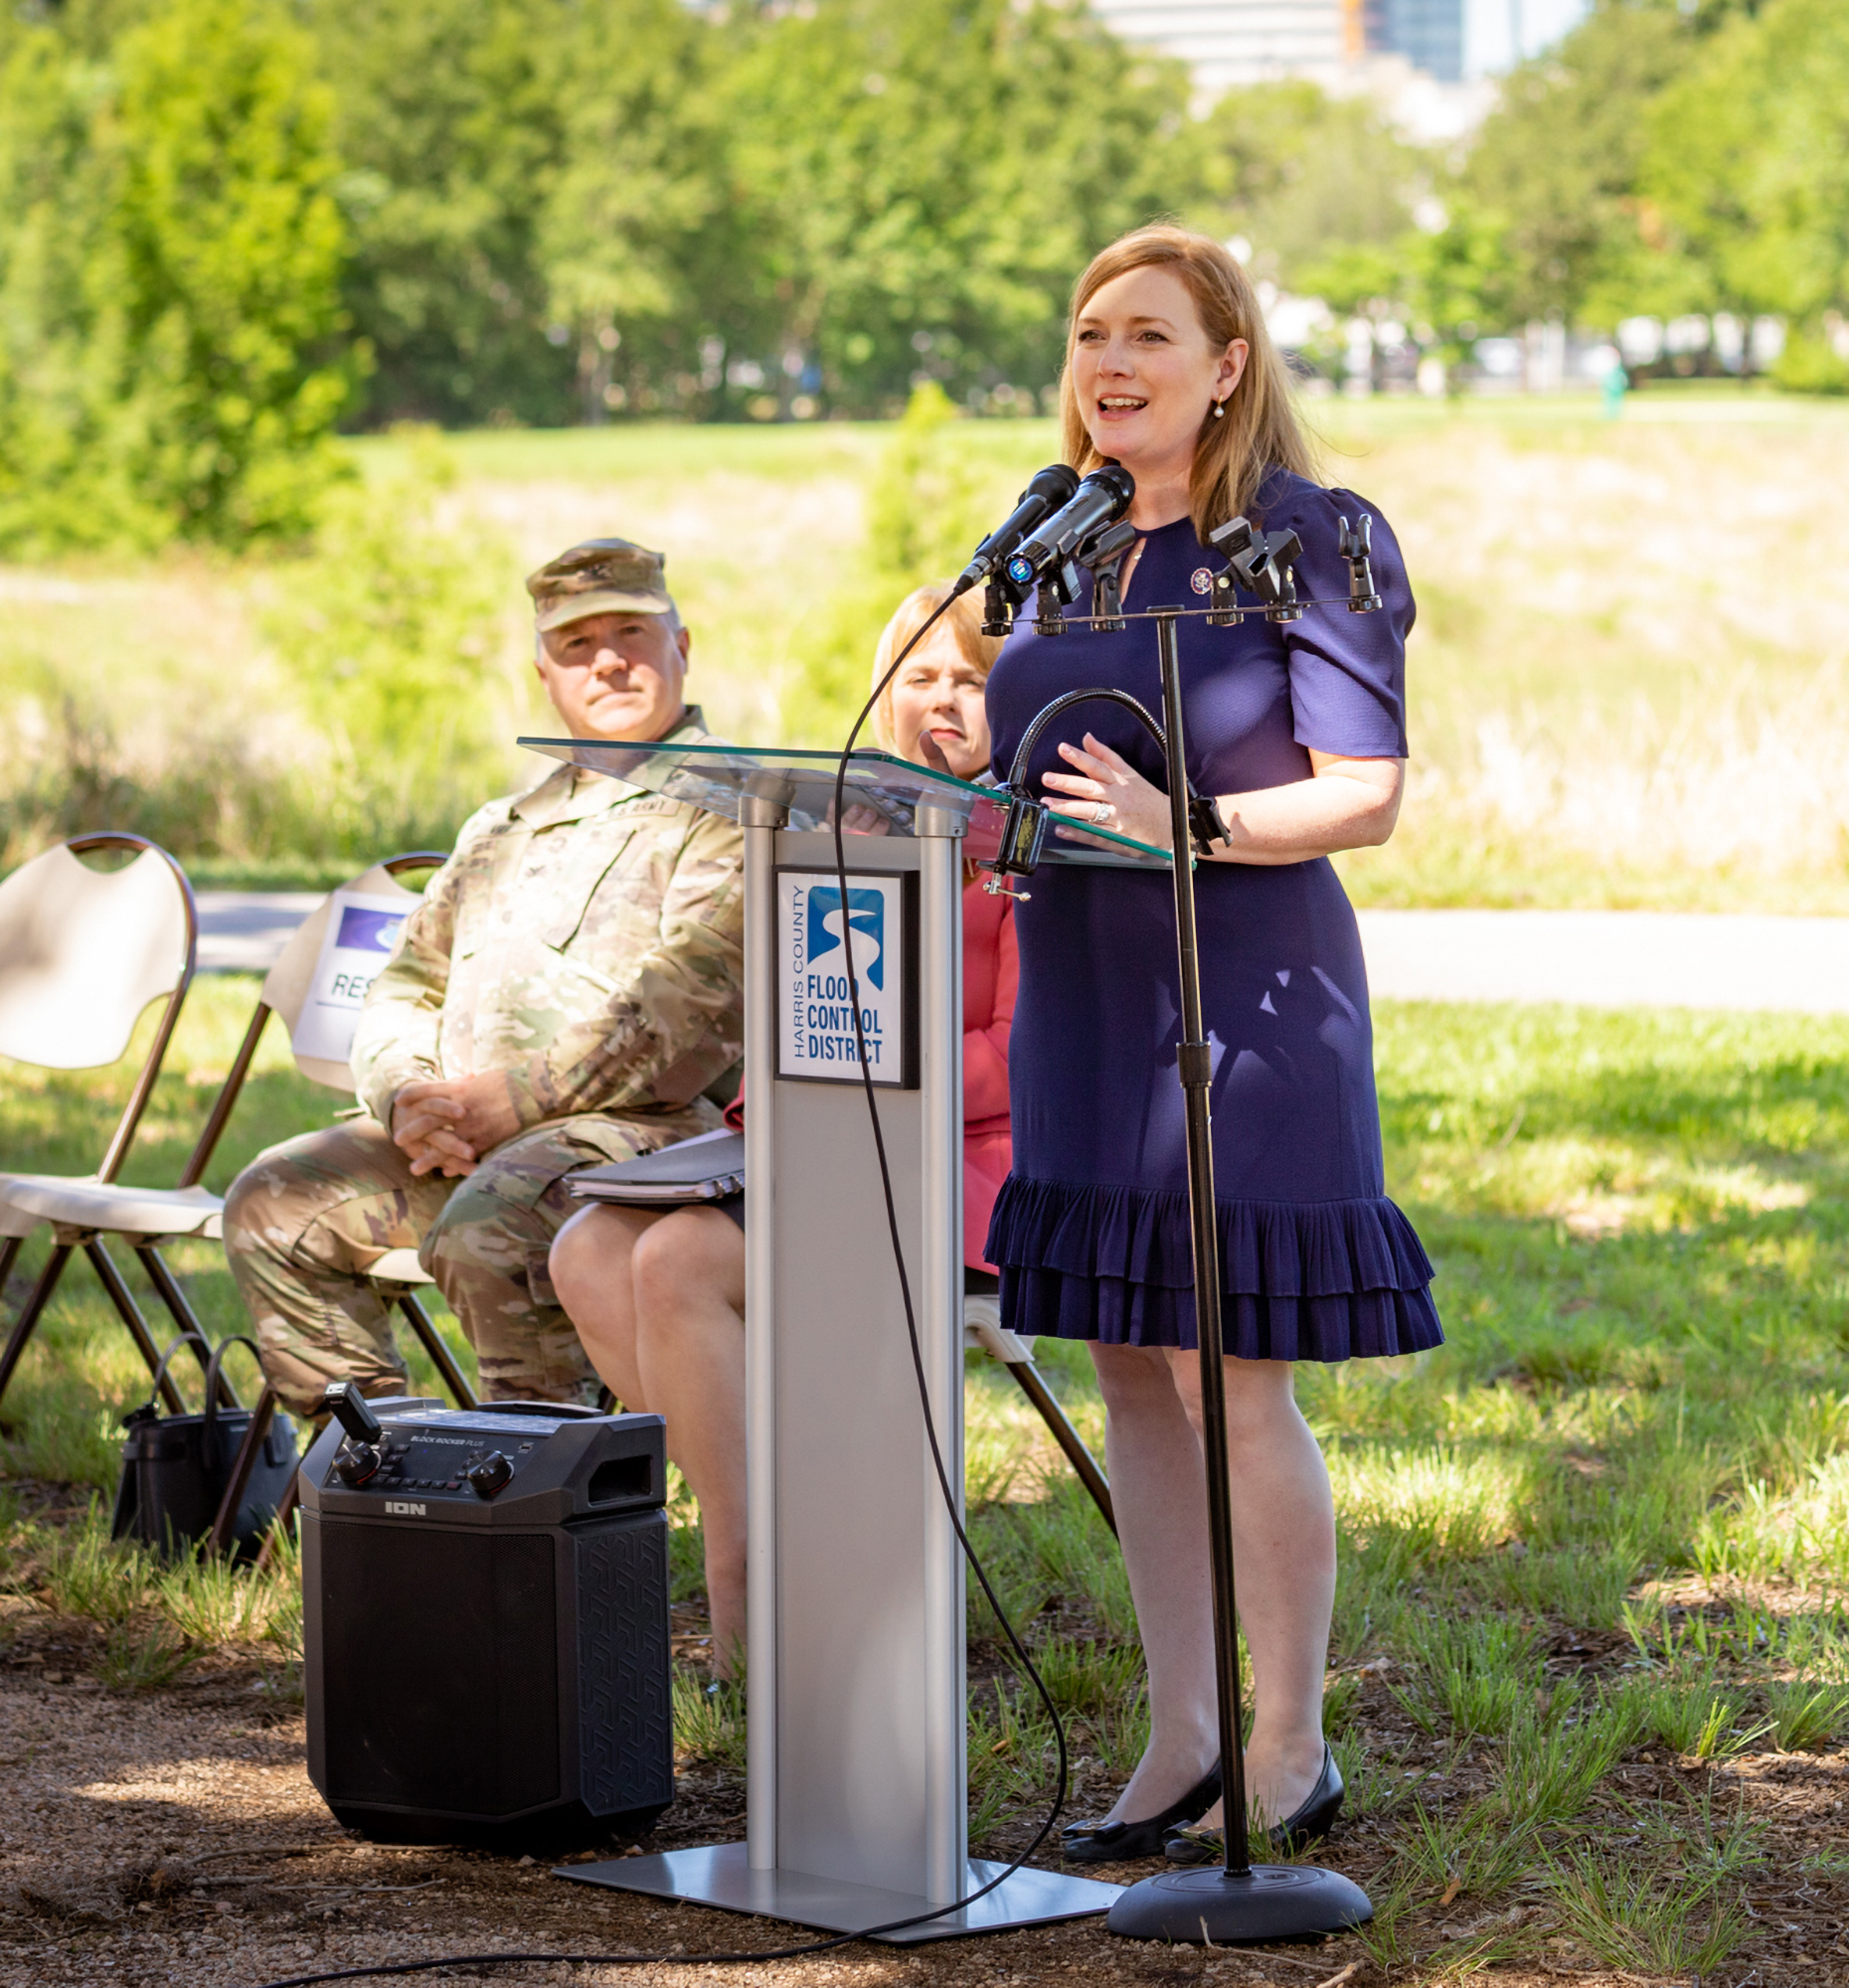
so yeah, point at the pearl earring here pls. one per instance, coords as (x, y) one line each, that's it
(1220, 411)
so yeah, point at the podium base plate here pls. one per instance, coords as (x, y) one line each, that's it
(719, 1875)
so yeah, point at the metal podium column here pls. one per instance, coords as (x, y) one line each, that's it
(761, 820)
(940, 1334)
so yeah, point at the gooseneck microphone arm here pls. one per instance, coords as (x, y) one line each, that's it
(1024, 753)
(1024, 827)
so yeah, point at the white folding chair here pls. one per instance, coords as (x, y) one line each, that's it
(82, 953)
(148, 1217)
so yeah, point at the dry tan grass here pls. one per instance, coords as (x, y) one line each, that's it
(1629, 681)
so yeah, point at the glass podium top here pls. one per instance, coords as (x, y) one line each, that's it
(885, 793)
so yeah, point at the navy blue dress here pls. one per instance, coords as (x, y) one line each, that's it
(1091, 1231)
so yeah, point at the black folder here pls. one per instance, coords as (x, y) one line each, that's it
(704, 1169)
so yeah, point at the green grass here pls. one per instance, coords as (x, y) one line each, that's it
(61, 1417)
(1595, 1548)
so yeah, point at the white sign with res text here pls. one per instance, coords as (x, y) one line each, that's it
(361, 934)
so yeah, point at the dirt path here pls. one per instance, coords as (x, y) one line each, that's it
(174, 1837)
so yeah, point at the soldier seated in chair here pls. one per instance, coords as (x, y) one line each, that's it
(567, 993)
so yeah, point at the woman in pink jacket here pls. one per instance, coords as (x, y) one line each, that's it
(658, 1299)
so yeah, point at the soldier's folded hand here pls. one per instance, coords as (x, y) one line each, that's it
(447, 1124)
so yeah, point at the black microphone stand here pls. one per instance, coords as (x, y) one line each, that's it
(1240, 1900)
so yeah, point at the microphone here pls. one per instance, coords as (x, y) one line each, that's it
(1102, 499)
(1051, 488)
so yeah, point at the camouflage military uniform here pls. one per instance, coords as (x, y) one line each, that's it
(585, 937)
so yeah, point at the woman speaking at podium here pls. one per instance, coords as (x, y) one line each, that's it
(1298, 731)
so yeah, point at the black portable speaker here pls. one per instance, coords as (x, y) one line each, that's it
(485, 1622)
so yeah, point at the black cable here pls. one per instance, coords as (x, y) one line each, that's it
(944, 1485)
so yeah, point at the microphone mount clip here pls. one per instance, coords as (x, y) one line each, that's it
(1356, 546)
(1263, 562)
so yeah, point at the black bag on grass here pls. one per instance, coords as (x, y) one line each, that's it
(174, 1468)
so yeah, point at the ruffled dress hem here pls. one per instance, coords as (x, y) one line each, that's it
(1324, 1281)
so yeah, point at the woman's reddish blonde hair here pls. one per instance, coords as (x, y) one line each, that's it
(1260, 430)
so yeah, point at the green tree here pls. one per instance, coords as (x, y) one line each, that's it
(926, 177)
(1463, 280)
(451, 131)
(1318, 185)
(645, 254)
(1747, 164)
(231, 246)
(168, 268)
(65, 434)
(1560, 160)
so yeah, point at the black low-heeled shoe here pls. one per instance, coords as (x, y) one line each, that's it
(1309, 1823)
(1118, 1842)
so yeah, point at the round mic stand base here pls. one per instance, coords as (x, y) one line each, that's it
(1213, 1906)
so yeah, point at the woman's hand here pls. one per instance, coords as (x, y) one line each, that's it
(1346, 803)
(1105, 791)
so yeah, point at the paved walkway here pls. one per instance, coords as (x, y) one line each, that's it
(1603, 959)
(1611, 960)
(243, 931)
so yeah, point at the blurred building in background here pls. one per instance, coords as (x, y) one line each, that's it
(1229, 44)
(1427, 61)
(1430, 33)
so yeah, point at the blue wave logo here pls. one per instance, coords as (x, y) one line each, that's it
(865, 914)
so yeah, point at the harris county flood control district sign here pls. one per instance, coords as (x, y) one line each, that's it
(816, 1014)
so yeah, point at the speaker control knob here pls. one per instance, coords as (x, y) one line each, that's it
(489, 1474)
(356, 1462)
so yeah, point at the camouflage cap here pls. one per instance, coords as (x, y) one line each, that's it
(600, 576)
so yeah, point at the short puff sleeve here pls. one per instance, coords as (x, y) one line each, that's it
(1347, 671)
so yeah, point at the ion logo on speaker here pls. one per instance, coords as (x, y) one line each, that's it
(396, 1510)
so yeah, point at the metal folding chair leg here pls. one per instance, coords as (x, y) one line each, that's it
(982, 1327)
(1085, 1464)
(129, 1312)
(28, 1319)
(424, 1326)
(123, 1298)
(183, 1314)
(242, 1465)
(9, 1256)
(283, 1523)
